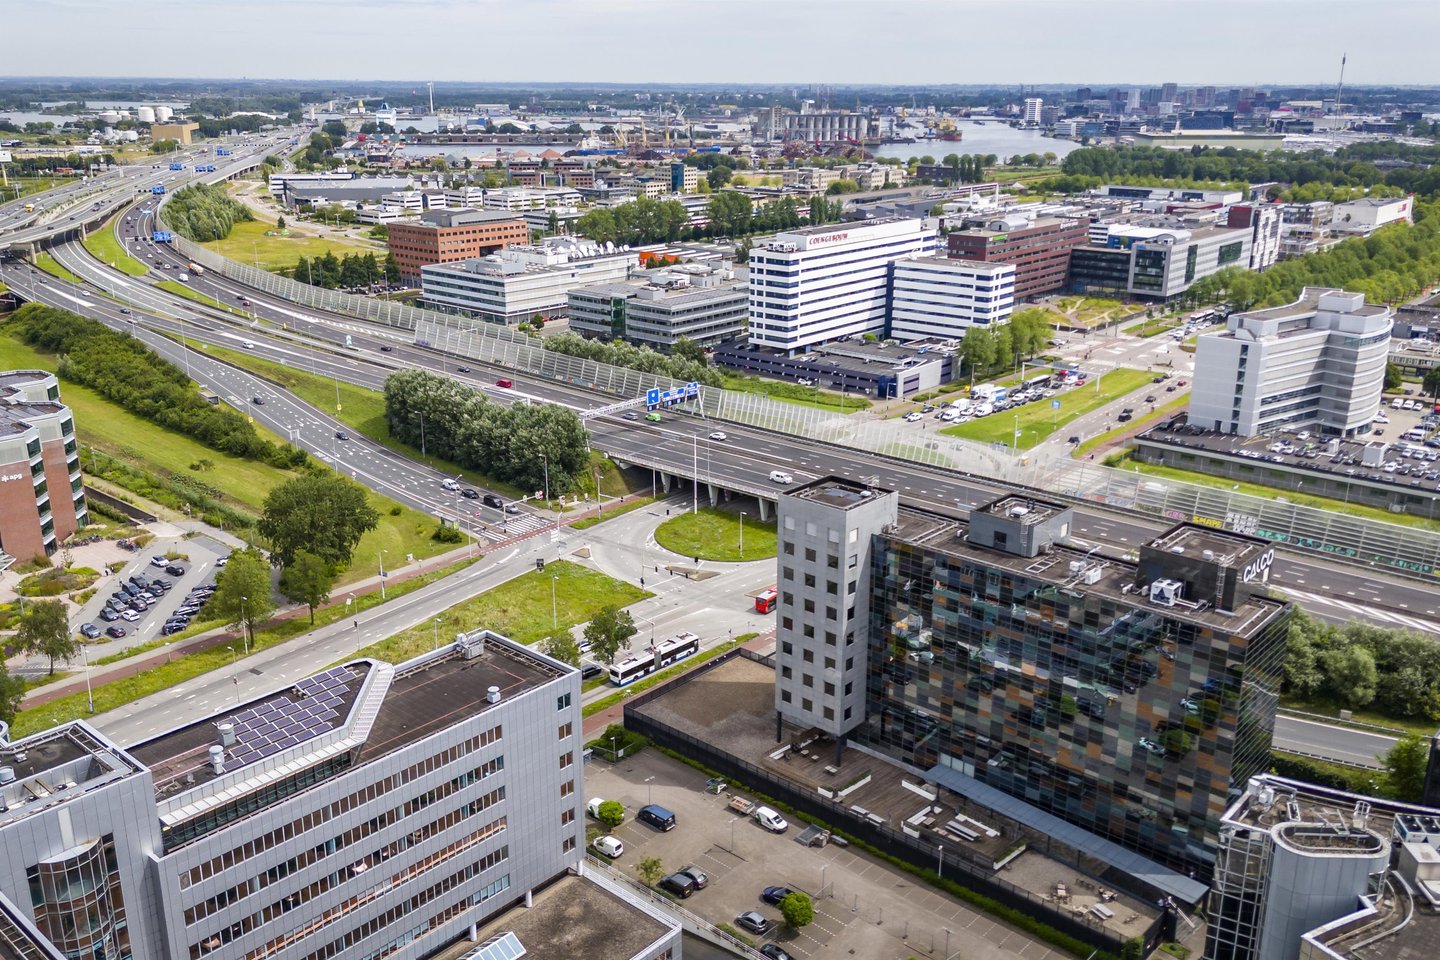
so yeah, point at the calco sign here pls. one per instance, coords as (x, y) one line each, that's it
(1259, 568)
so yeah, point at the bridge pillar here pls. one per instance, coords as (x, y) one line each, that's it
(665, 482)
(715, 493)
(764, 508)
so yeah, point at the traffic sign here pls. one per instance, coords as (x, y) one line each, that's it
(1054, 404)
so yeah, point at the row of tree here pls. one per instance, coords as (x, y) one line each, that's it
(354, 271)
(731, 214)
(516, 444)
(204, 211)
(124, 371)
(1390, 265)
(1005, 346)
(686, 362)
(1344, 664)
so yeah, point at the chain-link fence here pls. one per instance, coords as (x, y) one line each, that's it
(1368, 542)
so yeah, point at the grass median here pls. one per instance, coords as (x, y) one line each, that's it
(187, 666)
(1036, 421)
(105, 247)
(618, 510)
(715, 533)
(569, 593)
(50, 265)
(181, 290)
(1135, 426)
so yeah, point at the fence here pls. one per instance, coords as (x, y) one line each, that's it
(976, 876)
(1372, 543)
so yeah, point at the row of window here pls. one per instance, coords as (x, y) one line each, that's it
(334, 845)
(487, 892)
(310, 821)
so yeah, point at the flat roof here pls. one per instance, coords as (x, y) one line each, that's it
(53, 766)
(1018, 506)
(847, 225)
(837, 492)
(1309, 304)
(1194, 541)
(576, 917)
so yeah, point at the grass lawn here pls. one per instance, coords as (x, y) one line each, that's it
(517, 609)
(29, 186)
(1038, 420)
(361, 408)
(48, 263)
(611, 512)
(105, 247)
(1151, 328)
(714, 534)
(184, 667)
(1276, 493)
(794, 393)
(259, 240)
(239, 483)
(1139, 423)
(181, 290)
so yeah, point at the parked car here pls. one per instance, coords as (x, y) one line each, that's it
(657, 816)
(108, 615)
(701, 878)
(680, 884)
(773, 895)
(175, 570)
(116, 631)
(89, 631)
(754, 923)
(773, 951)
(160, 561)
(609, 846)
(590, 671)
(771, 820)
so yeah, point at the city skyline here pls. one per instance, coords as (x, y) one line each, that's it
(803, 41)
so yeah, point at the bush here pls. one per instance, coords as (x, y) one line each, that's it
(203, 212)
(447, 533)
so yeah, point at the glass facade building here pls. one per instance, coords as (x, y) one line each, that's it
(1127, 699)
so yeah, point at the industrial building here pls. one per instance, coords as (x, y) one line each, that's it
(1360, 218)
(1318, 362)
(850, 366)
(371, 810)
(819, 284)
(701, 303)
(1107, 703)
(179, 132)
(448, 236)
(940, 297)
(42, 493)
(518, 282)
(1039, 248)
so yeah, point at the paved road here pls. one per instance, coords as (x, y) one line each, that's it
(1342, 744)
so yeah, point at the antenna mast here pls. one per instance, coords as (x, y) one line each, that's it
(1340, 87)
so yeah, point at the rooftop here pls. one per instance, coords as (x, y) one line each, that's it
(1309, 304)
(1027, 510)
(573, 917)
(835, 492)
(1209, 543)
(51, 767)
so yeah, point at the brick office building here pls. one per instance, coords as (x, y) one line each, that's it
(1039, 249)
(446, 236)
(42, 495)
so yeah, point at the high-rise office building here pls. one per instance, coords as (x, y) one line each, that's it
(42, 494)
(1033, 106)
(372, 810)
(817, 284)
(1038, 247)
(1066, 688)
(942, 297)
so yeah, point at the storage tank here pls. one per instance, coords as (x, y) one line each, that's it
(163, 114)
(145, 114)
(110, 116)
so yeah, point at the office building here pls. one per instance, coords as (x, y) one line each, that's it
(179, 132)
(1033, 108)
(42, 494)
(447, 236)
(517, 283)
(684, 178)
(1305, 872)
(1038, 248)
(1318, 362)
(885, 371)
(1157, 263)
(1109, 704)
(817, 284)
(1360, 218)
(942, 297)
(372, 810)
(702, 303)
(591, 916)
(1264, 222)
(1304, 227)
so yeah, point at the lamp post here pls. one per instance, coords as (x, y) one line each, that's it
(89, 697)
(742, 534)
(649, 790)
(382, 574)
(545, 464)
(437, 633)
(554, 605)
(940, 862)
(245, 625)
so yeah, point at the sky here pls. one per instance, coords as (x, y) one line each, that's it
(1190, 42)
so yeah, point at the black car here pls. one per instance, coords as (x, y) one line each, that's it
(492, 500)
(469, 493)
(680, 884)
(774, 895)
(590, 671)
(116, 631)
(258, 401)
(701, 878)
(386, 348)
(90, 630)
(341, 435)
(172, 626)
(773, 951)
(463, 369)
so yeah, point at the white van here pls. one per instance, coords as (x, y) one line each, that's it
(771, 820)
(182, 277)
(1396, 404)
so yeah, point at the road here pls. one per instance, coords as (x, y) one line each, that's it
(1341, 744)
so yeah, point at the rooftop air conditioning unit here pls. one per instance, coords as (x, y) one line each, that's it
(1166, 592)
(1093, 575)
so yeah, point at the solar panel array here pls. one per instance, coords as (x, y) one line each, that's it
(312, 708)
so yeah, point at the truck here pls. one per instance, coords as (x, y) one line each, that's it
(195, 268)
(221, 152)
(29, 208)
(177, 166)
(158, 189)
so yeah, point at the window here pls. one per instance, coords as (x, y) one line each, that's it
(806, 680)
(786, 673)
(849, 688)
(829, 689)
(808, 656)
(567, 758)
(833, 562)
(829, 663)
(830, 638)
(567, 816)
(786, 573)
(831, 613)
(787, 548)
(809, 555)
(806, 705)
(562, 702)
(809, 630)
(785, 696)
(566, 731)
(809, 579)
(568, 845)
(787, 647)
(809, 606)
(567, 788)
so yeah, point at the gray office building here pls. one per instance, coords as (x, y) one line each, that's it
(372, 810)
(702, 303)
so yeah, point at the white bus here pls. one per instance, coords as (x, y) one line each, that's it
(654, 658)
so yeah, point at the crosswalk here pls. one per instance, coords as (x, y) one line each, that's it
(514, 527)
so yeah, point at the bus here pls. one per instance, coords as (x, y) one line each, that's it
(765, 600)
(654, 658)
(1038, 383)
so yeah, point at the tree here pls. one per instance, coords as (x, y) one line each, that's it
(323, 513)
(308, 579)
(335, 128)
(392, 270)
(717, 177)
(1352, 675)
(611, 813)
(1432, 382)
(1392, 377)
(242, 591)
(842, 186)
(1133, 949)
(797, 909)
(687, 349)
(562, 647)
(978, 349)
(730, 213)
(1405, 766)
(279, 223)
(651, 869)
(12, 694)
(45, 630)
(609, 633)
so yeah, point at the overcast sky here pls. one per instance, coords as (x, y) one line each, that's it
(1217, 42)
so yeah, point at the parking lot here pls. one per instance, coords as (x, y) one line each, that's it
(148, 599)
(863, 907)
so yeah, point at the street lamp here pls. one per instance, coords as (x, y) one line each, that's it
(382, 574)
(649, 791)
(89, 697)
(940, 862)
(742, 534)
(554, 605)
(437, 633)
(545, 463)
(245, 625)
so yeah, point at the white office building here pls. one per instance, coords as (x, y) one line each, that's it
(1317, 362)
(1033, 106)
(942, 298)
(1363, 217)
(514, 284)
(817, 284)
(531, 198)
